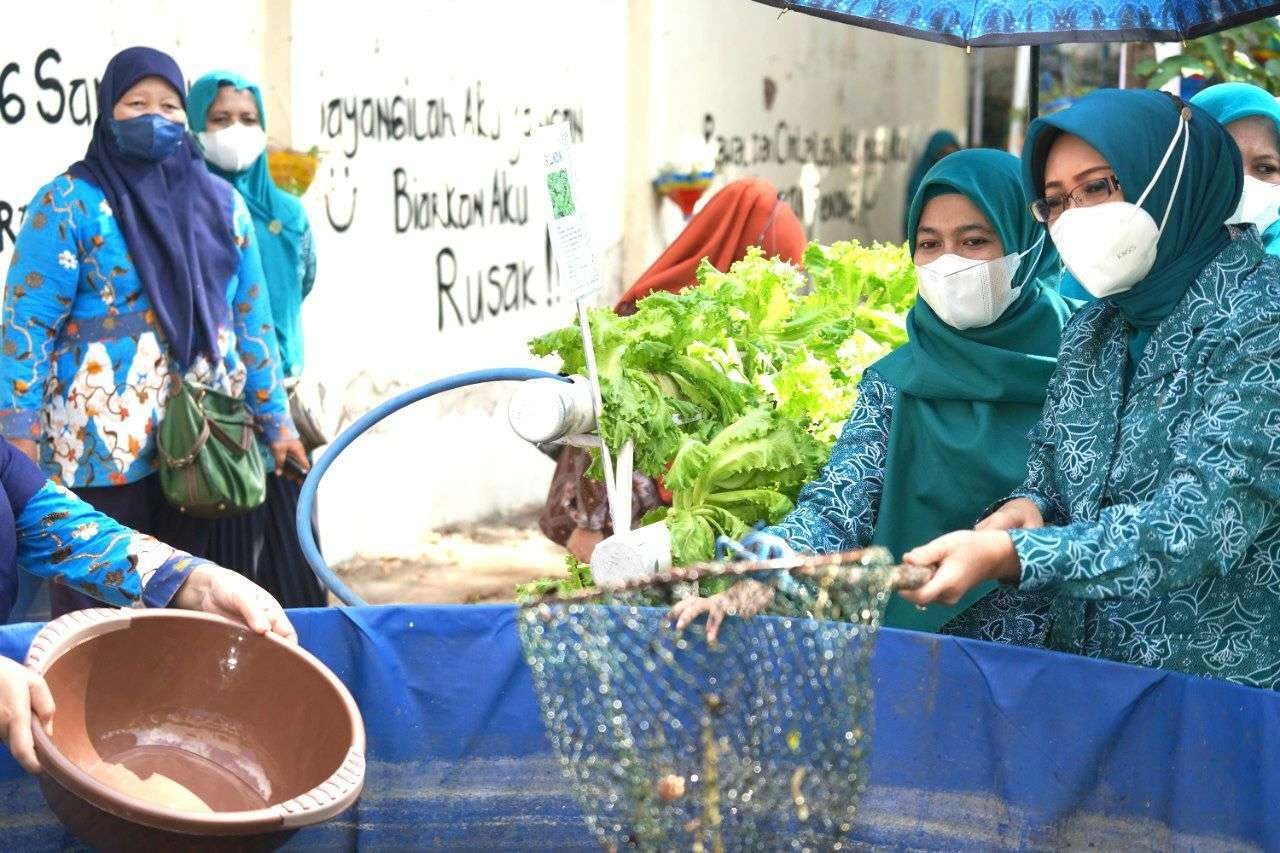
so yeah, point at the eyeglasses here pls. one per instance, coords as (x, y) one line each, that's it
(1095, 191)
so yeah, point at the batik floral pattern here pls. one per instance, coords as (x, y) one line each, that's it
(1163, 501)
(83, 367)
(62, 538)
(837, 511)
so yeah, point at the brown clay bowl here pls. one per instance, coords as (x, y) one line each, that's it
(182, 730)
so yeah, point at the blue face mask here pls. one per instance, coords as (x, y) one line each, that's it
(148, 137)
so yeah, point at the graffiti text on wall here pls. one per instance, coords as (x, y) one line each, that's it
(865, 153)
(469, 291)
(407, 118)
(39, 91)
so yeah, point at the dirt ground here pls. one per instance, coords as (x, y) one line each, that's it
(463, 564)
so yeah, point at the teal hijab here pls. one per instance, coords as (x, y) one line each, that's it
(1228, 102)
(1131, 129)
(278, 220)
(940, 141)
(958, 439)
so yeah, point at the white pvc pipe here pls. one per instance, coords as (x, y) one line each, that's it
(979, 93)
(1021, 79)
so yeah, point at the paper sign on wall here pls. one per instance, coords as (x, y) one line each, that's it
(569, 238)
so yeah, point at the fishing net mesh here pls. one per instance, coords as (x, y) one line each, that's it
(756, 741)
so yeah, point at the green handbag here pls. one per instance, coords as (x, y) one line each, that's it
(210, 466)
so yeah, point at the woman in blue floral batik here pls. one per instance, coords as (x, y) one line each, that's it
(1252, 117)
(133, 266)
(941, 426)
(1148, 528)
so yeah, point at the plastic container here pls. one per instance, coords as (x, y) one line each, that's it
(544, 410)
(184, 730)
(635, 555)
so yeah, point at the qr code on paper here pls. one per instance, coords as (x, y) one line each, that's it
(561, 194)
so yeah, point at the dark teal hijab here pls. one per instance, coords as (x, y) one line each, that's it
(940, 141)
(967, 400)
(1131, 129)
(1228, 102)
(279, 221)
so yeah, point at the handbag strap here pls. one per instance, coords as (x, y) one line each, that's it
(246, 435)
(189, 458)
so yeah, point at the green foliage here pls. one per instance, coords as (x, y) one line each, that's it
(1248, 54)
(579, 578)
(741, 384)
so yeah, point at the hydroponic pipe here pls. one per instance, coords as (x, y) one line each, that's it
(306, 535)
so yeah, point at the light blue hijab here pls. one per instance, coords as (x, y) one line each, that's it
(278, 219)
(1228, 102)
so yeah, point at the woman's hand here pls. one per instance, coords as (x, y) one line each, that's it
(961, 561)
(214, 589)
(28, 447)
(21, 692)
(746, 598)
(1017, 514)
(291, 449)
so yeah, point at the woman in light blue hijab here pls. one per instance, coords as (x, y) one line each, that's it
(1252, 117)
(225, 112)
(226, 115)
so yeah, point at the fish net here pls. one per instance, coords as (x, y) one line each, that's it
(757, 740)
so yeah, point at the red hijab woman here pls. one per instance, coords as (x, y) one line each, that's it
(743, 214)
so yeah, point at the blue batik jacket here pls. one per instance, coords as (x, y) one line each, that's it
(1162, 498)
(48, 531)
(83, 367)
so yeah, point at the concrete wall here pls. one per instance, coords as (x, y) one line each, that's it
(431, 236)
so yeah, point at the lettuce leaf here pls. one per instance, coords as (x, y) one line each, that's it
(741, 383)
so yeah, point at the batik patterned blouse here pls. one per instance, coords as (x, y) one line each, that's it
(837, 511)
(48, 531)
(83, 366)
(1163, 499)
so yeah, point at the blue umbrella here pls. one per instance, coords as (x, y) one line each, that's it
(991, 23)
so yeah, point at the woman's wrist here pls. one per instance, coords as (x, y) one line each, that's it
(1006, 565)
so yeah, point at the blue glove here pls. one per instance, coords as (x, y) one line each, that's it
(756, 545)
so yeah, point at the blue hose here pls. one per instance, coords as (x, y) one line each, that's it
(307, 499)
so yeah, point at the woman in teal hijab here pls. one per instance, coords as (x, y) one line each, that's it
(1252, 117)
(232, 132)
(1146, 530)
(940, 144)
(225, 112)
(940, 429)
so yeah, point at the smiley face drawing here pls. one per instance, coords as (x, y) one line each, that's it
(336, 224)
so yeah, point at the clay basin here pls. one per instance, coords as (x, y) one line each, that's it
(182, 730)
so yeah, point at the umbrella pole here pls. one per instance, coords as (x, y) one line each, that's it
(1033, 85)
(978, 92)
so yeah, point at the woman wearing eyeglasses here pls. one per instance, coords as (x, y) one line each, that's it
(1148, 528)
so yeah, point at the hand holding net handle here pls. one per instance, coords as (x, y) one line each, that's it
(909, 577)
(850, 566)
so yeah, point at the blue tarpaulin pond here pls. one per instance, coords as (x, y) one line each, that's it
(976, 747)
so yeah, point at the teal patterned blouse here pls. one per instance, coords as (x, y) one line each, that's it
(1163, 499)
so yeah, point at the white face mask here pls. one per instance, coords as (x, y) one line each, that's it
(1110, 247)
(235, 147)
(968, 294)
(1259, 204)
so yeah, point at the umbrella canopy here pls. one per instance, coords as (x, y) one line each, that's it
(991, 23)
